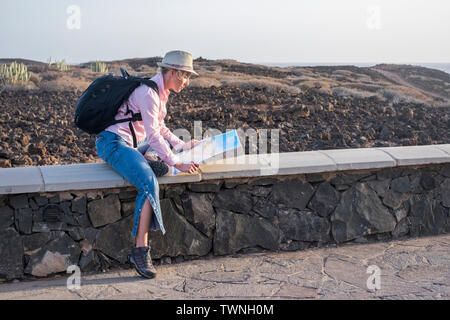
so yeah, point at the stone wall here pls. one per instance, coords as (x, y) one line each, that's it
(43, 233)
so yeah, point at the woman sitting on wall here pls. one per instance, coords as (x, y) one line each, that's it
(115, 146)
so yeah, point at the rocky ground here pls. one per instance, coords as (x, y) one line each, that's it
(314, 108)
(414, 269)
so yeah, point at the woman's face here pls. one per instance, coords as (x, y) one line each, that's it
(180, 79)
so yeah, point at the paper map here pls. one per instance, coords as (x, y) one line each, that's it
(209, 148)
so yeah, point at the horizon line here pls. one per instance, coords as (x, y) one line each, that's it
(252, 62)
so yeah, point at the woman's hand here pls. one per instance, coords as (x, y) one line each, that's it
(191, 144)
(190, 167)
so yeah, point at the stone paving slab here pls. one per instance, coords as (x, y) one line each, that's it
(83, 176)
(361, 158)
(408, 269)
(300, 162)
(180, 178)
(251, 165)
(417, 155)
(444, 147)
(20, 180)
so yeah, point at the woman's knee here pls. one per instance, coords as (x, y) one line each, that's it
(100, 146)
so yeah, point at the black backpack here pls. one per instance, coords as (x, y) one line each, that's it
(99, 103)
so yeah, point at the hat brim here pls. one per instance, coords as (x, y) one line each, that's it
(160, 64)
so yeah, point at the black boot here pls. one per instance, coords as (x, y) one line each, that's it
(158, 167)
(142, 260)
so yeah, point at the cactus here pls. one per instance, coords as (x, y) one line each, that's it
(15, 73)
(99, 66)
(62, 66)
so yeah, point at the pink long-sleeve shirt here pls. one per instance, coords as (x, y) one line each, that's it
(153, 110)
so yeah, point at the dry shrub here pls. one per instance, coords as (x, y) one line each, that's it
(208, 70)
(365, 87)
(146, 68)
(307, 71)
(361, 94)
(36, 79)
(270, 86)
(303, 79)
(340, 72)
(323, 87)
(408, 91)
(115, 69)
(364, 78)
(13, 87)
(50, 75)
(325, 90)
(323, 84)
(65, 83)
(204, 82)
(423, 78)
(228, 62)
(397, 96)
(307, 84)
(2, 83)
(317, 83)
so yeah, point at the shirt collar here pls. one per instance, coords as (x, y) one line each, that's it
(163, 93)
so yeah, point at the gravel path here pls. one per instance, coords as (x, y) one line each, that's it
(409, 269)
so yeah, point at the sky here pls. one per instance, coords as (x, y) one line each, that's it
(255, 31)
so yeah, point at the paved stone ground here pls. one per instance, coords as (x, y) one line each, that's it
(410, 269)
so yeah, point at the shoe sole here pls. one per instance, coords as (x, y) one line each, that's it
(130, 258)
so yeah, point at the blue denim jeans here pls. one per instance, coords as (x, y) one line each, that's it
(131, 164)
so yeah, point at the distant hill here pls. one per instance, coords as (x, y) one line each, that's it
(430, 81)
(392, 83)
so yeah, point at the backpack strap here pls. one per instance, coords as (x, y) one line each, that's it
(136, 116)
(125, 74)
(130, 125)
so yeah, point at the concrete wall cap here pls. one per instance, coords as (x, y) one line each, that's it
(21, 180)
(88, 176)
(418, 155)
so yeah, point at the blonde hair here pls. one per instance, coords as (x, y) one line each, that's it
(163, 70)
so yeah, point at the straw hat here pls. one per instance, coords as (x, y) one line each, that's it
(180, 60)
